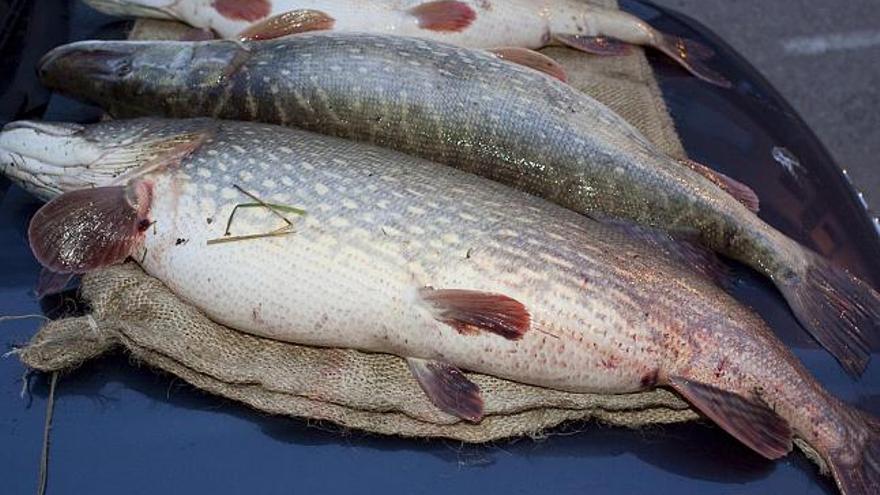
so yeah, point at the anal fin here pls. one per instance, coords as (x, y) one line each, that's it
(448, 388)
(748, 419)
(597, 45)
(533, 60)
(287, 24)
(741, 192)
(470, 311)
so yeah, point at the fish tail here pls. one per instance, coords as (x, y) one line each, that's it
(839, 310)
(856, 465)
(691, 55)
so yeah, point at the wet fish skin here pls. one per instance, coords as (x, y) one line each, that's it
(467, 109)
(471, 23)
(608, 314)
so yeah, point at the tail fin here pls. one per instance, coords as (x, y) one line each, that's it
(840, 311)
(691, 55)
(857, 469)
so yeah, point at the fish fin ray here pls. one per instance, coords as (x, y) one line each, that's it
(749, 420)
(596, 45)
(444, 15)
(691, 55)
(743, 193)
(471, 311)
(287, 24)
(50, 282)
(89, 228)
(157, 154)
(448, 389)
(683, 246)
(856, 466)
(839, 310)
(533, 60)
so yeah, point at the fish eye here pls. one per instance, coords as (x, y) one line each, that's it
(123, 68)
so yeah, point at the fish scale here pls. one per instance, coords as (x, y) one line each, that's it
(611, 309)
(468, 109)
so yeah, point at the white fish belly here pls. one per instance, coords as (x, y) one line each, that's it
(350, 274)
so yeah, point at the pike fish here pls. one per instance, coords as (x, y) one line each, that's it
(473, 23)
(320, 241)
(468, 109)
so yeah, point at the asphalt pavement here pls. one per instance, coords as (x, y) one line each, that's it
(824, 57)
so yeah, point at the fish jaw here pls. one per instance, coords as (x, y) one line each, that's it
(104, 72)
(155, 9)
(47, 159)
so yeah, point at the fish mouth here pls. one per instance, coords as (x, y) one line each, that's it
(46, 158)
(95, 60)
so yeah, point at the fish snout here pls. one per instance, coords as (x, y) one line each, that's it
(84, 63)
(47, 158)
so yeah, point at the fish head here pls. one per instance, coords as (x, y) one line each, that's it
(139, 78)
(156, 9)
(51, 158)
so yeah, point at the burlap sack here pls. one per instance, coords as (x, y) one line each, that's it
(372, 392)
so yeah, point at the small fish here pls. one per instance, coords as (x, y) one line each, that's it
(390, 253)
(529, 24)
(466, 108)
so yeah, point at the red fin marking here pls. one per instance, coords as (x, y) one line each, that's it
(243, 10)
(749, 420)
(597, 45)
(444, 15)
(743, 193)
(532, 60)
(87, 229)
(690, 55)
(51, 283)
(839, 310)
(448, 389)
(470, 312)
(288, 23)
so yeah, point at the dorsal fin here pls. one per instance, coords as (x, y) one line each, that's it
(533, 60)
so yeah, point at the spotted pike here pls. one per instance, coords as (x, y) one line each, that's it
(393, 254)
(468, 109)
(472, 23)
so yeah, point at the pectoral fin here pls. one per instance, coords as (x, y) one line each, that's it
(532, 60)
(471, 311)
(50, 283)
(87, 229)
(741, 192)
(597, 45)
(448, 389)
(748, 419)
(288, 23)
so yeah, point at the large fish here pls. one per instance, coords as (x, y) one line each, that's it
(321, 241)
(468, 109)
(472, 23)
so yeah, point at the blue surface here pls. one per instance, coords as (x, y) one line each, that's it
(124, 428)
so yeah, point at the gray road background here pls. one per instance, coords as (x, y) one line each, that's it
(824, 57)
